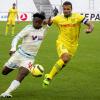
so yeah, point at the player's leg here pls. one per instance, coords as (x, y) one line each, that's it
(9, 66)
(64, 58)
(7, 94)
(6, 70)
(13, 28)
(23, 72)
(7, 28)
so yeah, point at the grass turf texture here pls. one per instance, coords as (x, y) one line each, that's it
(79, 80)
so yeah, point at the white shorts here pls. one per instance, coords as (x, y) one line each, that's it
(19, 60)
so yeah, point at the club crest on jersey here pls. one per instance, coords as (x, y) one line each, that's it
(34, 37)
(37, 37)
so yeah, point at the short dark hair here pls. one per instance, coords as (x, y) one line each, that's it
(67, 3)
(14, 4)
(40, 15)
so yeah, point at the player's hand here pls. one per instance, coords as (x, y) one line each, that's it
(88, 30)
(49, 21)
(11, 53)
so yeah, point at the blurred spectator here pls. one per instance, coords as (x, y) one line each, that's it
(55, 11)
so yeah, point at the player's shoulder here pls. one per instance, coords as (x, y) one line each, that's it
(60, 16)
(26, 30)
(10, 9)
(15, 10)
(28, 27)
(76, 14)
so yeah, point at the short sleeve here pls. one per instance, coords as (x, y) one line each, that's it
(81, 18)
(55, 19)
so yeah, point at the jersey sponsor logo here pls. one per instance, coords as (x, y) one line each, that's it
(92, 16)
(69, 25)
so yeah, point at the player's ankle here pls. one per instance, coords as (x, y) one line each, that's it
(48, 76)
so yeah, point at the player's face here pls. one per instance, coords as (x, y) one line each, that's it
(37, 22)
(67, 9)
(14, 6)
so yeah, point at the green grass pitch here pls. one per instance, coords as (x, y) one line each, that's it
(79, 80)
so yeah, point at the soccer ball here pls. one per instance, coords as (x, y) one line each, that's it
(37, 70)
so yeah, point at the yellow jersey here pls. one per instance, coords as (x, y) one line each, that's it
(13, 13)
(69, 28)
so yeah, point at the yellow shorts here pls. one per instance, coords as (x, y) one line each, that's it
(11, 21)
(63, 48)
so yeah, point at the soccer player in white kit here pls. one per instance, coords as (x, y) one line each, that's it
(32, 37)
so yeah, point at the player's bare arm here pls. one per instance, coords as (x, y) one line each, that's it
(48, 21)
(90, 27)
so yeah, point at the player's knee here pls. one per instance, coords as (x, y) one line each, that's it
(65, 58)
(4, 72)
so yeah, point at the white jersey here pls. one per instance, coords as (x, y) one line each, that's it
(31, 42)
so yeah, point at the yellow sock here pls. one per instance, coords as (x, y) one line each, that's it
(13, 28)
(7, 27)
(56, 68)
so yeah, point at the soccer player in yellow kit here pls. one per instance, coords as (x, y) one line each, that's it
(69, 28)
(11, 18)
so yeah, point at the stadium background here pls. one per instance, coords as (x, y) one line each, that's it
(79, 80)
(26, 9)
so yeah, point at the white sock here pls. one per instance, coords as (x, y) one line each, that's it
(12, 86)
